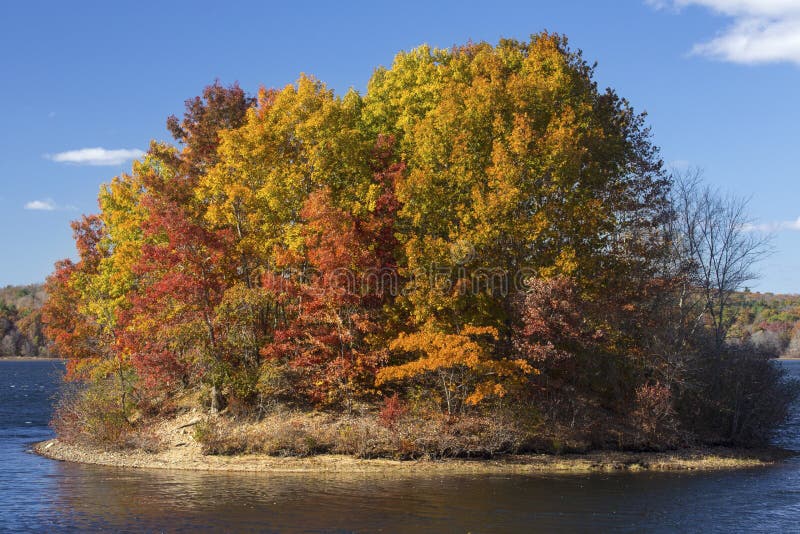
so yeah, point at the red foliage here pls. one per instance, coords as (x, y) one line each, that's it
(217, 109)
(181, 280)
(393, 409)
(552, 321)
(74, 333)
(88, 232)
(334, 301)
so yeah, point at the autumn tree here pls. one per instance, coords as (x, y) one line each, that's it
(296, 140)
(339, 290)
(169, 330)
(463, 366)
(70, 323)
(518, 168)
(218, 108)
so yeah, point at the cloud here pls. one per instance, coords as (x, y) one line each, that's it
(775, 226)
(46, 205)
(41, 205)
(97, 156)
(762, 31)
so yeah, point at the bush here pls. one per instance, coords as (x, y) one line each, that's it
(736, 397)
(91, 414)
(215, 438)
(653, 415)
(393, 409)
(277, 435)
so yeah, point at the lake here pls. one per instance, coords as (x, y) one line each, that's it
(37, 494)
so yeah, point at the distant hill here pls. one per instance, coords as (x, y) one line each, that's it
(769, 321)
(21, 332)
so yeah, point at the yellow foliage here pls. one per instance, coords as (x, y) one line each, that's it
(446, 352)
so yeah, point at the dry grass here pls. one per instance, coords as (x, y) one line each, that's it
(292, 433)
(182, 453)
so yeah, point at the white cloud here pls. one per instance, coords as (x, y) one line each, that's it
(762, 31)
(47, 204)
(776, 226)
(97, 156)
(41, 205)
(768, 8)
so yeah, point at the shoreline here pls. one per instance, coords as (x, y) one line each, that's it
(187, 456)
(30, 359)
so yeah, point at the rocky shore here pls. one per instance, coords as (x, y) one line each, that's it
(180, 451)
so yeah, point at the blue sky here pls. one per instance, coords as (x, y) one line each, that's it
(718, 78)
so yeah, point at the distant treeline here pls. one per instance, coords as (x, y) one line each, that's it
(768, 321)
(21, 321)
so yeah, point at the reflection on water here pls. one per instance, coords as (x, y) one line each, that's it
(56, 496)
(116, 499)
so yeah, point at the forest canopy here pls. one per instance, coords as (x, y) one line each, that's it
(483, 234)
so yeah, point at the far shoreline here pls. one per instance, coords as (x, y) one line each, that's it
(187, 457)
(30, 359)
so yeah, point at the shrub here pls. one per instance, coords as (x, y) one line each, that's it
(393, 409)
(91, 414)
(654, 415)
(736, 397)
(217, 438)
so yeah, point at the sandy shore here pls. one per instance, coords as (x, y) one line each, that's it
(188, 456)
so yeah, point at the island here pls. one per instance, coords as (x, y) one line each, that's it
(480, 264)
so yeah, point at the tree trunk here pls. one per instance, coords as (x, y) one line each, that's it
(214, 399)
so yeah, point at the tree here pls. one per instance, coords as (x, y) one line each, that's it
(338, 290)
(718, 244)
(518, 168)
(69, 321)
(515, 155)
(219, 108)
(169, 329)
(295, 141)
(463, 364)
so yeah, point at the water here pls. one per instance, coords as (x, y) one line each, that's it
(37, 494)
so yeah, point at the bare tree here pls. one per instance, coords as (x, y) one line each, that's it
(718, 245)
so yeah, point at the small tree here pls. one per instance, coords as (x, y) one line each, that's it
(464, 365)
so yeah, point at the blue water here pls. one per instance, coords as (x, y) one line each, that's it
(42, 495)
